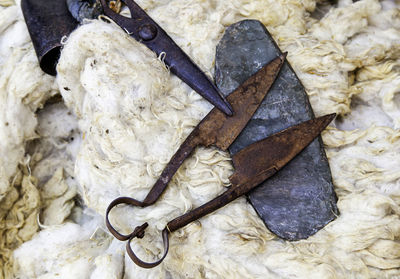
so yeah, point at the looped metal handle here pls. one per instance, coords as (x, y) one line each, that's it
(143, 264)
(117, 201)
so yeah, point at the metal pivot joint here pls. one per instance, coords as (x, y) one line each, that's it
(147, 32)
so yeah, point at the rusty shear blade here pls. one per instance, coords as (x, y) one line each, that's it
(219, 129)
(253, 165)
(215, 129)
(145, 30)
(259, 161)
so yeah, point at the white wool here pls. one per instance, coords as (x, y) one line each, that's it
(133, 115)
(64, 251)
(352, 18)
(109, 264)
(23, 89)
(58, 199)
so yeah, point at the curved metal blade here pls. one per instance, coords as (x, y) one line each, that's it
(276, 151)
(221, 130)
(145, 30)
(258, 162)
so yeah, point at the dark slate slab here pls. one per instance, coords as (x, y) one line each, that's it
(300, 199)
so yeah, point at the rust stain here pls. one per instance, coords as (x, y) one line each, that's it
(253, 165)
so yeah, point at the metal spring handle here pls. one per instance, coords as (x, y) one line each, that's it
(138, 232)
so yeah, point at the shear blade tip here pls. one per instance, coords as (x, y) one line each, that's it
(331, 116)
(226, 108)
(283, 56)
(326, 119)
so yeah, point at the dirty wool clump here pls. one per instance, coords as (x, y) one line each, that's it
(23, 90)
(133, 115)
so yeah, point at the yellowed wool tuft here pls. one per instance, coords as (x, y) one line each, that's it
(6, 3)
(18, 218)
(24, 88)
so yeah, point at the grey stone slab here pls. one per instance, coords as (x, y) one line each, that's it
(300, 199)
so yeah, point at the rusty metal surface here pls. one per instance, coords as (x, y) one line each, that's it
(219, 129)
(259, 161)
(145, 30)
(299, 200)
(215, 129)
(253, 165)
(277, 149)
(48, 22)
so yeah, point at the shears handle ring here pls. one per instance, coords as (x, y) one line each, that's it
(141, 263)
(117, 201)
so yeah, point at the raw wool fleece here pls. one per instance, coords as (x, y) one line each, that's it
(23, 89)
(133, 116)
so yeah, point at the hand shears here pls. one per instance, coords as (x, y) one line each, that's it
(253, 164)
(145, 30)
